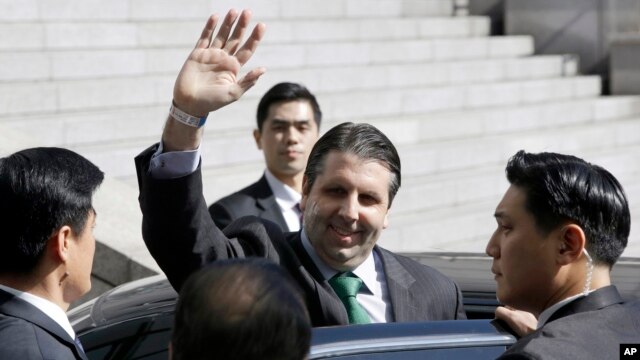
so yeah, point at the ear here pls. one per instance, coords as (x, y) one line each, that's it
(386, 219)
(60, 242)
(256, 137)
(572, 241)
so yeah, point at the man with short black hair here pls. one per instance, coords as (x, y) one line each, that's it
(562, 225)
(351, 178)
(288, 122)
(240, 309)
(47, 250)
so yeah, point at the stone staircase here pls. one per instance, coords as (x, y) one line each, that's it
(97, 77)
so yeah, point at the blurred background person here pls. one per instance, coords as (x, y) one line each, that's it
(288, 120)
(47, 218)
(241, 309)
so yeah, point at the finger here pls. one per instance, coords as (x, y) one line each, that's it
(207, 32)
(251, 78)
(223, 33)
(246, 51)
(234, 41)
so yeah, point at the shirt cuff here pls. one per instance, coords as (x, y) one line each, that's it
(174, 164)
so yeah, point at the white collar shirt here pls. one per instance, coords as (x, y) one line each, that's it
(287, 199)
(50, 309)
(374, 295)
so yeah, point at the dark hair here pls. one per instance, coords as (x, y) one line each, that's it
(363, 140)
(241, 309)
(286, 91)
(41, 189)
(563, 188)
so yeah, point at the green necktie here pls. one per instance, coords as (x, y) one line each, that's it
(346, 285)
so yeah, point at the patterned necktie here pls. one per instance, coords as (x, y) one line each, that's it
(346, 285)
(78, 345)
(299, 211)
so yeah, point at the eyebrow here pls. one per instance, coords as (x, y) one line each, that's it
(500, 215)
(286, 122)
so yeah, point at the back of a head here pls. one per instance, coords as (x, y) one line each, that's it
(562, 188)
(286, 91)
(363, 140)
(41, 189)
(241, 309)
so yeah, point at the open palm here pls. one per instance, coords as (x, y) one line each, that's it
(209, 79)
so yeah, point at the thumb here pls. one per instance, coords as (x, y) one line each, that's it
(250, 79)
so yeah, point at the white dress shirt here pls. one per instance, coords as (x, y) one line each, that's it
(287, 199)
(546, 314)
(374, 295)
(50, 309)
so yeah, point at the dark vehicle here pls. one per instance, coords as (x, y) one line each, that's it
(134, 320)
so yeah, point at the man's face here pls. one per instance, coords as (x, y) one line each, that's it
(523, 259)
(288, 134)
(80, 261)
(346, 209)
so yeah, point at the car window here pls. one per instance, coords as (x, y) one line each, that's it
(143, 338)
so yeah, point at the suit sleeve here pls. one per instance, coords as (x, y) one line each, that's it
(176, 225)
(220, 215)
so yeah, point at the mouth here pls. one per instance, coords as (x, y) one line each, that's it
(291, 153)
(345, 235)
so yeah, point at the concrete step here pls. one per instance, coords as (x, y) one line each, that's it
(426, 158)
(83, 34)
(114, 157)
(142, 10)
(74, 125)
(61, 65)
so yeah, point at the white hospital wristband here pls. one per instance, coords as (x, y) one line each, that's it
(185, 118)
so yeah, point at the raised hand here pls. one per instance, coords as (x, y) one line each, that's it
(209, 79)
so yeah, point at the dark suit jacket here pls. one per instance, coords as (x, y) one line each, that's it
(591, 327)
(256, 199)
(28, 333)
(181, 237)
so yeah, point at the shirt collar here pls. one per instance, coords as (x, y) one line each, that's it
(47, 307)
(285, 195)
(546, 314)
(367, 271)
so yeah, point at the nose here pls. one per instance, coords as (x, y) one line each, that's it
(492, 248)
(292, 135)
(349, 209)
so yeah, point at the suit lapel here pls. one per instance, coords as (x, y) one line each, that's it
(399, 281)
(13, 306)
(324, 305)
(596, 300)
(266, 202)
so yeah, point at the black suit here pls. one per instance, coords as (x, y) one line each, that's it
(591, 327)
(181, 237)
(28, 333)
(256, 199)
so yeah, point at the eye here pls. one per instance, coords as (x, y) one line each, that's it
(303, 126)
(337, 191)
(367, 199)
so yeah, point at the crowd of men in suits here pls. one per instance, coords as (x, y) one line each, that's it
(314, 219)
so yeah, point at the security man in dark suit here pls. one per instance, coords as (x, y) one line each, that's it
(288, 121)
(47, 251)
(562, 225)
(351, 177)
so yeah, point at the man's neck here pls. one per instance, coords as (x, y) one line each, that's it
(294, 182)
(47, 288)
(600, 278)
